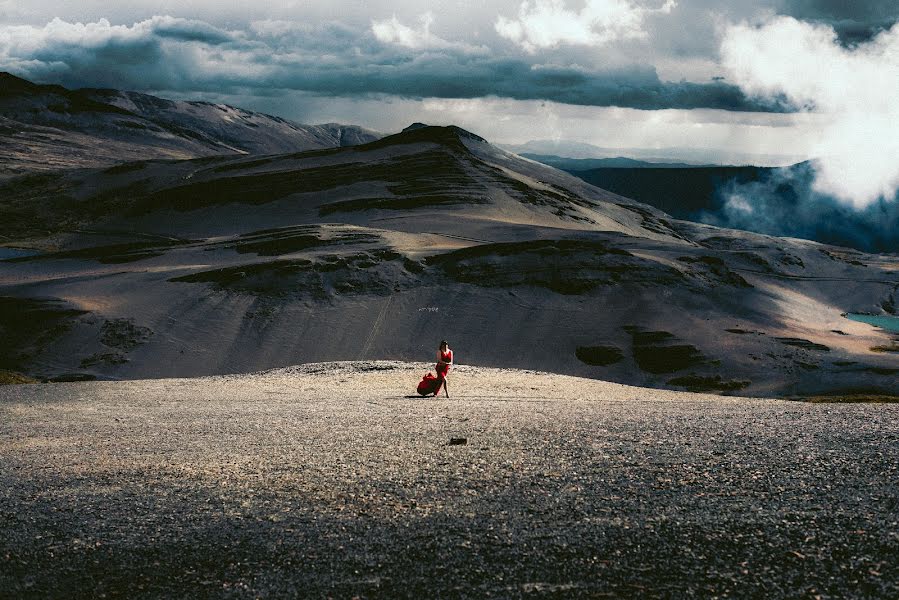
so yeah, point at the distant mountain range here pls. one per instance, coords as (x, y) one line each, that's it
(618, 162)
(689, 156)
(48, 126)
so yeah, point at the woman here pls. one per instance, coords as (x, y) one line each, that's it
(444, 362)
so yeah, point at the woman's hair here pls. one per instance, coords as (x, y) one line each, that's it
(443, 343)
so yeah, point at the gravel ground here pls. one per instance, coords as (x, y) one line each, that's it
(329, 481)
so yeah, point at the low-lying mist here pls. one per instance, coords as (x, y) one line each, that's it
(784, 202)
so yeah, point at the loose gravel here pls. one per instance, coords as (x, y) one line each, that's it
(328, 480)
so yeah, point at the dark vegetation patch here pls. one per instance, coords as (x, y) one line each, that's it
(785, 258)
(430, 173)
(399, 203)
(123, 334)
(33, 205)
(801, 343)
(881, 370)
(715, 271)
(807, 366)
(739, 331)
(650, 222)
(844, 363)
(658, 351)
(14, 378)
(848, 257)
(30, 325)
(723, 242)
(893, 347)
(561, 202)
(847, 398)
(698, 383)
(247, 164)
(756, 261)
(296, 239)
(280, 230)
(110, 254)
(103, 358)
(838, 332)
(134, 125)
(327, 276)
(642, 338)
(72, 377)
(759, 262)
(599, 356)
(667, 359)
(231, 276)
(563, 266)
(129, 167)
(413, 266)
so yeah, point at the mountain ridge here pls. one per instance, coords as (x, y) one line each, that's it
(237, 263)
(50, 127)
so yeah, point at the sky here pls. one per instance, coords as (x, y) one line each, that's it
(777, 78)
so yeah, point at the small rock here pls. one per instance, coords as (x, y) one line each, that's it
(458, 441)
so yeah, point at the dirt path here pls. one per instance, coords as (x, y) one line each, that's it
(326, 480)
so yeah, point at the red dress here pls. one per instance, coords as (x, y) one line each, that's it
(445, 360)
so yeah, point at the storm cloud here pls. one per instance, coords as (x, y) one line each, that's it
(804, 79)
(785, 203)
(166, 53)
(854, 22)
(856, 87)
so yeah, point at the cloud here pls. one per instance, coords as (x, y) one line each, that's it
(856, 87)
(855, 22)
(391, 31)
(548, 23)
(164, 53)
(157, 52)
(784, 203)
(94, 35)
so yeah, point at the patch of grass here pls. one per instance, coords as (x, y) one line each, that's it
(14, 378)
(111, 254)
(698, 383)
(599, 356)
(850, 398)
(29, 325)
(658, 352)
(801, 343)
(894, 347)
(567, 266)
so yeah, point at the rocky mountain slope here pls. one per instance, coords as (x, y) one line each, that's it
(49, 127)
(233, 264)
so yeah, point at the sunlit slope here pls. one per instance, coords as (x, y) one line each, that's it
(228, 264)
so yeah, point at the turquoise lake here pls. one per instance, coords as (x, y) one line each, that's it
(887, 322)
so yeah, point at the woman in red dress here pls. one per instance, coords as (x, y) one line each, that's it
(444, 362)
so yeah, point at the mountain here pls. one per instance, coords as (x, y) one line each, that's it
(228, 264)
(618, 162)
(692, 156)
(48, 126)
